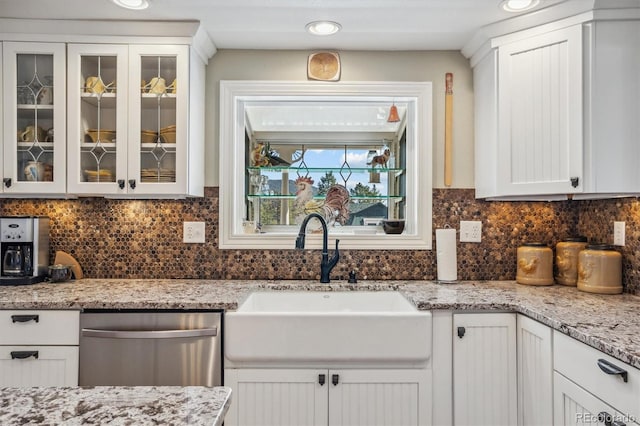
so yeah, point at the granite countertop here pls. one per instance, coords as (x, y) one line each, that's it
(192, 405)
(609, 323)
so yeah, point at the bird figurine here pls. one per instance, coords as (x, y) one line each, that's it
(304, 194)
(564, 263)
(258, 157)
(528, 267)
(334, 208)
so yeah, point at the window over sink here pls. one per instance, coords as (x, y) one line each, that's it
(288, 149)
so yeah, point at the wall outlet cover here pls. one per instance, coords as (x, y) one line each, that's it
(470, 231)
(193, 232)
(618, 233)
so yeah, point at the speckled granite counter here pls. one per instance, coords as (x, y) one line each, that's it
(167, 405)
(610, 323)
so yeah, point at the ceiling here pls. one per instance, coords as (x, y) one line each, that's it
(280, 24)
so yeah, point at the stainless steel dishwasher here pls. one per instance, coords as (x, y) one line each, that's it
(150, 348)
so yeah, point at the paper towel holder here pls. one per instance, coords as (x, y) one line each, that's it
(439, 255)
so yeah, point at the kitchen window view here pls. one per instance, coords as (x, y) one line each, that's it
(286, 180)
(307, 151)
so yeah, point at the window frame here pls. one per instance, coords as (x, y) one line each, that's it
(419, 165)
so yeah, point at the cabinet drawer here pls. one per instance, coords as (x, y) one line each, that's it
(38, 327)
(27, 366)
(580, 363)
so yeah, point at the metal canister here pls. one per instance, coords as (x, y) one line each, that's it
(567, 260)
(535, 264)
(600, 269)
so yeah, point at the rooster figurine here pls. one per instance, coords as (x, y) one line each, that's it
(334, 208)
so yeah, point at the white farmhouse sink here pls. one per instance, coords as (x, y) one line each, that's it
(326, 327)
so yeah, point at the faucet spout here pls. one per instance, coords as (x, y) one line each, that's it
(326, 264)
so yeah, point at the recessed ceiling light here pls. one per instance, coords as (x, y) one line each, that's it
(323, 27)
(132, 4)
(518, 5)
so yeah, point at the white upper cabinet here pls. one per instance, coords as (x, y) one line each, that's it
(97, 118)
(129, 120)
(539, 110)
(557, 111)
(33, 76)
(85, 113)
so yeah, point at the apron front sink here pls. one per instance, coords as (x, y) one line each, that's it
(328, 327)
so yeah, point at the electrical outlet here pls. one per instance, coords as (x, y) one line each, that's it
(470, 231)
(618, 233)
(193, 232)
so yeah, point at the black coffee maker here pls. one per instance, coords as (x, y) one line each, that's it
(24, 249)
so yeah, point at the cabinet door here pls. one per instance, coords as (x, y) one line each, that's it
(540, 114)
(27, 366)
(158, 114)
(277, 397)
(484, 369)
(34, 138)
(535, 373)
(97, 118)
(575, 406)
(379, 397)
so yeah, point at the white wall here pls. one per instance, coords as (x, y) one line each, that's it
(358, 66)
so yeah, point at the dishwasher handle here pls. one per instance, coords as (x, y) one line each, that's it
(153, 334)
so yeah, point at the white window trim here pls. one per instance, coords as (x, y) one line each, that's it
(233, 94)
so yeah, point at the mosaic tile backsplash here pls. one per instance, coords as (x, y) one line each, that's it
(143, 239)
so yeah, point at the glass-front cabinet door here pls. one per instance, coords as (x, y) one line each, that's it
(158, 105)
(97, 123)
(34, 137)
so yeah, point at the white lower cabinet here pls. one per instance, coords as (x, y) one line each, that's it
(591, 387)
(335, 397)
(575, 406)
(535, 373)
(28, 366)
(484, 369)
(39, 348)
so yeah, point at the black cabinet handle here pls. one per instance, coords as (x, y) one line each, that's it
(575, 181)
(25, 318)
(608, 420)
(335, 379)
(613, 369)
(321, 379)
(24, 354)
(461, 331)
(7, 182)
(604, 417)
(132, 183)
(121, 183)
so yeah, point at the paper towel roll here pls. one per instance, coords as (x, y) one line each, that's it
(446, 256)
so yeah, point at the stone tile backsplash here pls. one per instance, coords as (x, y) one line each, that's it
(143, 239)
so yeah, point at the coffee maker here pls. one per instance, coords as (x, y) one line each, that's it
(24, 249)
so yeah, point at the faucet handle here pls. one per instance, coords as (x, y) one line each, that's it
(352, 277)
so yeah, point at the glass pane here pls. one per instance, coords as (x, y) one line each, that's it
(286, 182)
(98, 113)
(34, 115)
(158, 89)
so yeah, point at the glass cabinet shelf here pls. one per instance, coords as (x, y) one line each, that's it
(23, 146)
(304, 170)
(322, 197)
(35, 106)
(156, 96)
